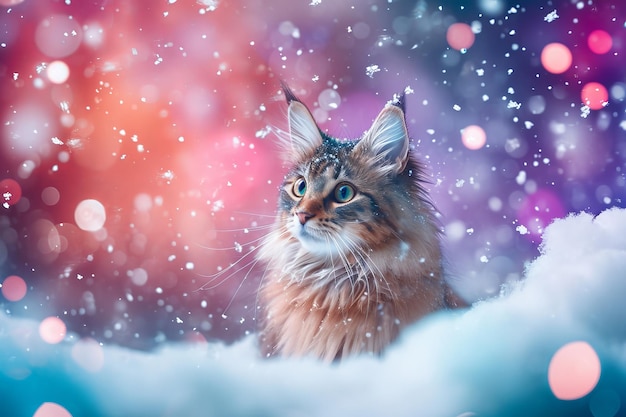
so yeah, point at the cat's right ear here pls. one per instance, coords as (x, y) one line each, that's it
(387, 141)
(304, 134)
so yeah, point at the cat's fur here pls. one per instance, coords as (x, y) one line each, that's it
(345, 277)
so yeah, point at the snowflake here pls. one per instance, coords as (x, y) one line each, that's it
(584, 111)
(210, 5)
(238, 247)
(551, 17)
(512, 104)
(262, 133)
(371, 70)
(74, 143)
(218, 206)
(168, 175)
(522, 230)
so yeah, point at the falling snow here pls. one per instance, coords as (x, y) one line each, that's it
(551, 17)
(370, 70)
(140, 167)
(209, 5)
(522, 230)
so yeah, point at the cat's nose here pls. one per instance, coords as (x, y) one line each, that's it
(304, 216)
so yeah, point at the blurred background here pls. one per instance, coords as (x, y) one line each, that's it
(138, 159)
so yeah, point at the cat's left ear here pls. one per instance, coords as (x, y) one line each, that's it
(388, 139)
(304, 132)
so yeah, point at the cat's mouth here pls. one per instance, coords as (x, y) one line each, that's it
(307, 233)
(313, 240)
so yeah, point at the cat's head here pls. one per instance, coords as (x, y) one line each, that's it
(342, 195)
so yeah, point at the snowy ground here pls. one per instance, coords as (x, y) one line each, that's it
(497, 359)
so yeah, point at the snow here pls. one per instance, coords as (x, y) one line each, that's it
(551, 17)
(370, 70)
(490, 360)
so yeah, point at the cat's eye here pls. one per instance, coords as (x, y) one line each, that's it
(344, 193)
(299, 187)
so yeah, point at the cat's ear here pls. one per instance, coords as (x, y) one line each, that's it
(387, 141)
(305, 136)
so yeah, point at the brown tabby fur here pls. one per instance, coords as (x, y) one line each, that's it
(344, 278)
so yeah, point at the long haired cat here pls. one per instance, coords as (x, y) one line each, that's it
(355, 252)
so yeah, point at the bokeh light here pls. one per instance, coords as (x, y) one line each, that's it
(574, 371)
(460, 36)
(138, 276)
(594, 95)
(10, 192)
(51, 409)
(27, 131)
(90, 215)
(14, 288)
(492, 7)
(52, 330)
(473, 137)
(9, 3)
(329, 99)
(58, 72)
(143, 202)
(600, 42)
(58, 36)
(93, 35)
(556, 58)
(50, 196)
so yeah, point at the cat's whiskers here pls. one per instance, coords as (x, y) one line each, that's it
(367, 272)
(280, 233)
(237, 247)
(228, 270)
(248, 213)
(235, 268)
(265, 227)
(364, 271)
(372, 268)
(347, 268)
(352, 275)
(248, 267)
(331, 240)
(232, 299)
(257, 302)
(249, 229)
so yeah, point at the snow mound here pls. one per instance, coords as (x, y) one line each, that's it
(491, 360)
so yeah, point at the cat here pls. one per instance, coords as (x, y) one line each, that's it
(355, 252)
